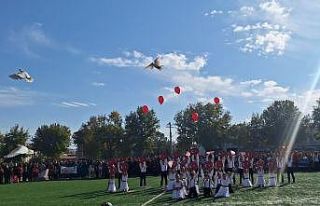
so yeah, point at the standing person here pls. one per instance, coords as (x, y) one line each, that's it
(246, 180)
(171, 176)
(260, 170)
(143, 171)
(290, 169)
(229, 164)
(124, 186)
(280, 167)
(240, 167)
(164, 174)
(1, 174)
(112, 173)
(119, 172)
(272, 172)
(251, 166)
(7, 174)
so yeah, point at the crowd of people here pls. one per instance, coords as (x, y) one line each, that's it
(182, 174)
(215, 173)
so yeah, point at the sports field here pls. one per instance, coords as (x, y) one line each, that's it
(306, 191)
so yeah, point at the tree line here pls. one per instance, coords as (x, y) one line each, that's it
(109, 136)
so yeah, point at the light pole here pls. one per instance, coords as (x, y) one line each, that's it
(169, 125)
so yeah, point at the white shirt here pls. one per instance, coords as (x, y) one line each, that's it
(230, 162)
(143, 167)
(164, 166)
(207, 183)
(193, 182)
(289, 162)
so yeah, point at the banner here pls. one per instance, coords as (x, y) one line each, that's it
(68, 170)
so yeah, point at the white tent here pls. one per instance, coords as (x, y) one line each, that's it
(20, 150)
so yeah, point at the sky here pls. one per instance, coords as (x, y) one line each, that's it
(88, 57)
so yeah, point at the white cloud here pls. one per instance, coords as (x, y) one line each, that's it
(273, 9)
(213, 13)
(98, 84)
(247, 10)
(75, 104)
(13, 97)
(31, 38)
(251, 82)
(169, 60)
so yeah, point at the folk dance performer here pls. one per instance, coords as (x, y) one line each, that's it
(246, 180)
(272, 165)
(124, 186)
(260, 171)
(112, 172)
(171, 174)
(178, 192)
(193, 183)
(224, 187)
(207, 185)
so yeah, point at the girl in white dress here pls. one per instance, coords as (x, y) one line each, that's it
(178, 192)
(124, 187)
(224, 187)
(112, 182)
(172, 178)
(246, 180)
(260, 171)
(193, 185)
(272, 173)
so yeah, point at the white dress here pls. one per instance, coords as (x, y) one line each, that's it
(112, 185)
(246, 180)
(260, 180)
(184, 177)
(224, 188)
(272, 180)
(172, 179)
(193, 182)
(124, 187)
(217, 179)
(178, 191)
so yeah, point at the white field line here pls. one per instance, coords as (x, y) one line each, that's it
(152, 199)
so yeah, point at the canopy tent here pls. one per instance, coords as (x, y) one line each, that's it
(20, 150)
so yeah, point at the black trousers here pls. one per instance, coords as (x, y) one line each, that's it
(251, 175)
(217, 188)
(119, 175)
(240, 171)
(193, 192)
(290, 172)
(164, 177)
(143, 181)
(207, 192)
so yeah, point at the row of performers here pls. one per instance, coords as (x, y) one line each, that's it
(182, 169)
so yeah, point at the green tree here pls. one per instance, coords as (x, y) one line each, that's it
(316, 119)
(101, 137)
(257, 136)
(2, 146)
(239, 135)
(16, 136)
(279, 120)
(52, 140)
(142, 132)
(210, 131)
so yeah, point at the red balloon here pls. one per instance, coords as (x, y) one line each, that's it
(216, 100)
(177, 90)
(161, 99)
(195, 117)
(145, 109)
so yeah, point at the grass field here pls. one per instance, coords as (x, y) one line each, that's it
(306, 191)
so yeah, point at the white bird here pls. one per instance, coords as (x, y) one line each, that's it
(22, 75)
(155, 64)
